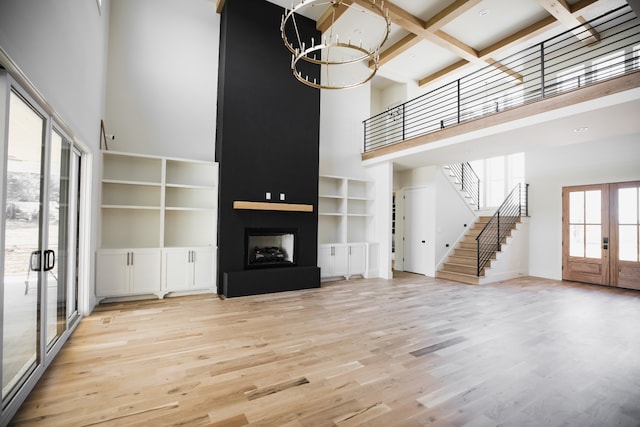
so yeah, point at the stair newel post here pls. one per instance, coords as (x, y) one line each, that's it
(478, 245)
(498, 233)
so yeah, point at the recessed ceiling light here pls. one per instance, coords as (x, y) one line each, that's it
(484, 12)
(580, 130)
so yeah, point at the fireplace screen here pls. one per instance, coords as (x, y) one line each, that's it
(268, 247)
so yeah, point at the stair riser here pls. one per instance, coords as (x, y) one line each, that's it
(457, 268)
(463, 260)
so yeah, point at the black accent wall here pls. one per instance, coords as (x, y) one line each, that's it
(267, 141)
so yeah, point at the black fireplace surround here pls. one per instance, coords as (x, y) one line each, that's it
(267, 144)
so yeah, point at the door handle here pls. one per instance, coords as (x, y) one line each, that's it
(49, 260)
(34, 261)
(424, 241)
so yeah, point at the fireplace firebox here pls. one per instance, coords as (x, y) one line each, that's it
(270, 247)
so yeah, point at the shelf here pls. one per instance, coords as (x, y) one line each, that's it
(266, 206)
(345, 208)
(152, 201)
(150, 208)
(128, 168)
(191, 173)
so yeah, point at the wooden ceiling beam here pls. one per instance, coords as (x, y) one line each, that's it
(527, 33)
(397, 49)
(449, 13)
(219, 6)
(443, 72)
(561, 10)
(332, 14)
(417, 26)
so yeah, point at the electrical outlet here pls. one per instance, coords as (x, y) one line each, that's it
(267, 196)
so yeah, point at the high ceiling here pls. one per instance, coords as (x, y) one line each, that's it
(435, 41)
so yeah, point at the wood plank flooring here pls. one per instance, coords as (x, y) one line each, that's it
(413, 351)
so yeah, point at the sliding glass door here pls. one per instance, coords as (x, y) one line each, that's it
(40, 188)
(22, 242)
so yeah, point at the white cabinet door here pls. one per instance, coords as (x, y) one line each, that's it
(203, 271)
(177, 270)
(325, 261)
(187, 269)
(340, 260)
(112, 278)
(145, 271)
(357, 259)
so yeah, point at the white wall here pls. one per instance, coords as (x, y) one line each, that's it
(61, 47)
(454, 216)
(342, 131)
(615, 160)
(60, 51)
(163, 77)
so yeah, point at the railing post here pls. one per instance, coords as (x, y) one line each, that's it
(478, 193)
(498, 233)
(478, 265)
(526, 200)
(462, 177)
(364, 145)
(403, 122)
(542, 79)
(459, 101)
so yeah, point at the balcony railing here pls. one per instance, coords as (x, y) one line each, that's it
(557, 65)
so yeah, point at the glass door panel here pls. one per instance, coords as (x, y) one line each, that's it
(22, 260)
(585, 234)
(625, 223)
(58, 219)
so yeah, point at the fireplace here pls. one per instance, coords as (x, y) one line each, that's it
(270, 247)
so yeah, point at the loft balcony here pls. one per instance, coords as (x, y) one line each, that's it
(558, 73)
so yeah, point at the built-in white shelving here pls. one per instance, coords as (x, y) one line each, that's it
(345, 225)
(156, 203)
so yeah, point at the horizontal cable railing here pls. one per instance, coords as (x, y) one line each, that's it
(555, 66)
(490, 239)
(468, 180)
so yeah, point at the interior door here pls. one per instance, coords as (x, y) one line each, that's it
(601, 234)
(585, 248)
(625, 235)
(415, 230)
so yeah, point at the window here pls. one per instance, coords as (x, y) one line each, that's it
(570, 79)
(498, 176)
(609, 66)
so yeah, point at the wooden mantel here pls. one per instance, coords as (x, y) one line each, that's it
(266, 206)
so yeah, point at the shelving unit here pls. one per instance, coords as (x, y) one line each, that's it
(345, 225)
(156, 203)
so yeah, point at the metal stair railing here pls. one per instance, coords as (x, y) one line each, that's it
(489, 240)
(468, 180)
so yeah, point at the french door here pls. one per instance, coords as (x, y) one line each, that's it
(601, 234)
(40, 190)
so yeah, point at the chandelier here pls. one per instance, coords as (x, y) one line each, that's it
(345, 58)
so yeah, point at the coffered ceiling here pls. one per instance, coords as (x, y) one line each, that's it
(435, 41)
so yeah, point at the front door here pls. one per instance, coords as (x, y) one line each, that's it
(625, 235)
(601, 234)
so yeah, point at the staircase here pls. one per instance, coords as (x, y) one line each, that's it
(462, 264)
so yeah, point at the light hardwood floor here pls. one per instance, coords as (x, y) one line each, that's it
(405, 352)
